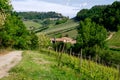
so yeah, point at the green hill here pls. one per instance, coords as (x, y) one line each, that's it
(66, 28)
(47, 65)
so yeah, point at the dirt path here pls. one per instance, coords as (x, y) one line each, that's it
(110, 36)
(8, 61)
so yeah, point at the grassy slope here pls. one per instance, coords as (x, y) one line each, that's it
(43, 66)
(115, 40)
(30, 23)
(62, 28)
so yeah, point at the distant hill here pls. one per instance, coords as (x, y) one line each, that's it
(39, 15)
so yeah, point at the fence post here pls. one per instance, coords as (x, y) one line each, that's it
(118, 68)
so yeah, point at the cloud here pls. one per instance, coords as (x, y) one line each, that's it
(42, 6)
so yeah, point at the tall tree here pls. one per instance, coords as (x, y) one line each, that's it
(91, 35)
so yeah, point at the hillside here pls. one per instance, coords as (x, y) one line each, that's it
(115, 40)
(67, 28)
(47, 23)
(30, 23)
(47, 65)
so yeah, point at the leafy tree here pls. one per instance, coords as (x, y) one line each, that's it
(5, 7)
(111, 16)
(91, 36)
(82, 14)
(13, 32)
(94, 13)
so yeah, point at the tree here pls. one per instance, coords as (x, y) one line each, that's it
(91, 36)
(94, 13)
(13, 32)
(111, 16)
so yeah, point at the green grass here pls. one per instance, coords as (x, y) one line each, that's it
(42, 65)
(115, 40)
(30, 23)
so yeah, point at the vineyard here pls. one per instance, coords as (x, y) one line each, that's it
(70, 25)
(48, 65)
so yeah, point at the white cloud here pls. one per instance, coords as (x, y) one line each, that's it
(41, 6)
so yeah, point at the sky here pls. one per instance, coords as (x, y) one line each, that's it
(65, 7)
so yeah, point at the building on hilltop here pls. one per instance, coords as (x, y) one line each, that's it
(63, 39)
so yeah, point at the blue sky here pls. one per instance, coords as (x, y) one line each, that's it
(66, 7)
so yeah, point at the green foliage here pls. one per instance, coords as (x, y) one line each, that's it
(43, 66)
(111, 16)
(61, 46)
(44, 41)
(94, 13)
(15, 34)
(90, 35)
(46, 23)
(39, 15)
(82, 14)
(5, 8)
(58, 28)
(61, 21)
(85, 69)
(111, 57)
(5, 5)
(115, 40)
(108, 15)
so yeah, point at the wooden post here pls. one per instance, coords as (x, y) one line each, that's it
(70, 52)
(80, 62)
(59, 57)
(118, 68)
(81, 59)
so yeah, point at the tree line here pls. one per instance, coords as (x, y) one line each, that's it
(39, 15)
(105, 15)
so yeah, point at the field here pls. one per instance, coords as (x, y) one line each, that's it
(47, 65)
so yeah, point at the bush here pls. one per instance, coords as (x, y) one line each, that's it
(44, 41)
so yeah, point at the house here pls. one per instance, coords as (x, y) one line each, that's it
(63, 39)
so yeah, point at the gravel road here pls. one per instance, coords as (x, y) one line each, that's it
(8, 61)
